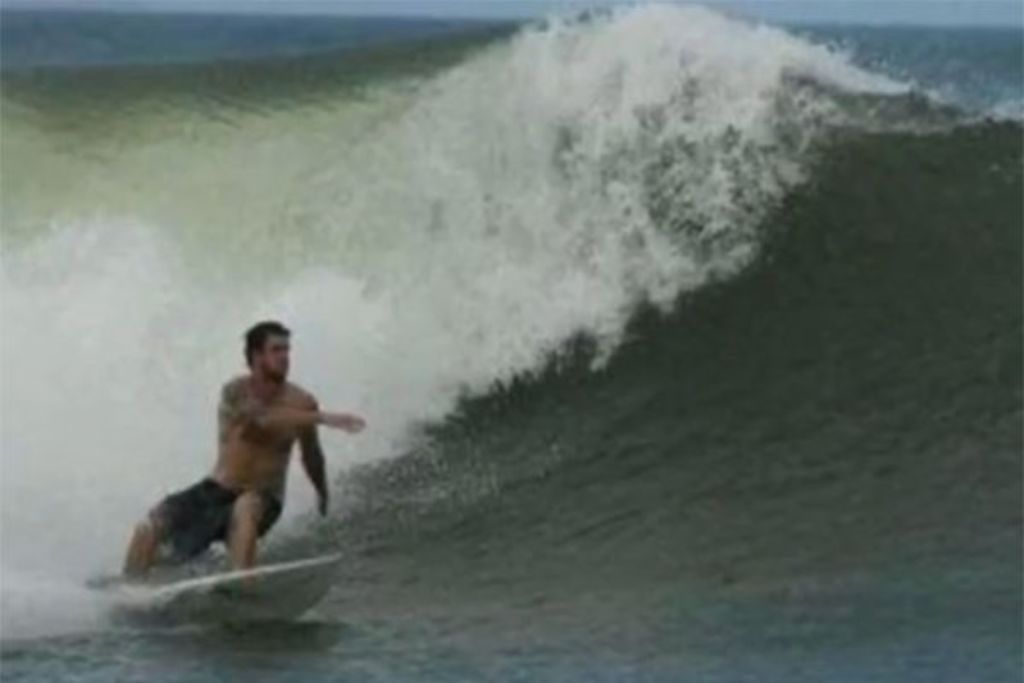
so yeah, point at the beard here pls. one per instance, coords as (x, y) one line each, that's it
(274, 375)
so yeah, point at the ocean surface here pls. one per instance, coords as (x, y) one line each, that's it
(691, 349)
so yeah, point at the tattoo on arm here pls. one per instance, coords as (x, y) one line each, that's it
(237, 407)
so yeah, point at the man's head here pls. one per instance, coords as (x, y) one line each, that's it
(267, 347)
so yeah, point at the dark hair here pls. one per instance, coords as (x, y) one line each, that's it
(257, 335)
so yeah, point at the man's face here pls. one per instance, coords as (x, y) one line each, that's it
(273, 360)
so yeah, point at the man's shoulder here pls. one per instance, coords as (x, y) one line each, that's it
(300, 394)
(235, 384)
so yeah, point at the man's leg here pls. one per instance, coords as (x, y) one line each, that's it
(142, 548)
(245, 527)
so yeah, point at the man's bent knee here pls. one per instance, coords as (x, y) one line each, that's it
(248, 507)
(155, 521)
(144, 529)
(142, 548)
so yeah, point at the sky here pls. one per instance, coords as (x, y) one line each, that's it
(939, 12)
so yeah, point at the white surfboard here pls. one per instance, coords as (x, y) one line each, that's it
(273, 592)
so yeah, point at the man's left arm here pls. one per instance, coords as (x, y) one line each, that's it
(313, 463)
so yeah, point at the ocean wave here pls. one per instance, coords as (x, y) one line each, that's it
(427, 240)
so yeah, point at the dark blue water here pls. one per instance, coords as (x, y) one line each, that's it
(68, 38)
(977, 68)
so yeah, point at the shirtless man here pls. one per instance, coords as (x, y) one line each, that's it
(261, 416)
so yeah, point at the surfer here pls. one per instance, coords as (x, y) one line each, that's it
(260, 417)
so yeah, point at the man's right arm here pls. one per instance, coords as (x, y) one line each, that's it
(238, 407)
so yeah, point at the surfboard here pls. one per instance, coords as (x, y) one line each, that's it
(273, 592)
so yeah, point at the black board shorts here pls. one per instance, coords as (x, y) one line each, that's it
(195, 517)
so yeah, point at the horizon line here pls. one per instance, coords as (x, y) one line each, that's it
(741, 9)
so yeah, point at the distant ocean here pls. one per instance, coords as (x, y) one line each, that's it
(690, 347)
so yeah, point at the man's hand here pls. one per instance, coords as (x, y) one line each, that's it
(353, 424)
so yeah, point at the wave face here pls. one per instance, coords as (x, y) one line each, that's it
(654, 304)
(817, 460)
